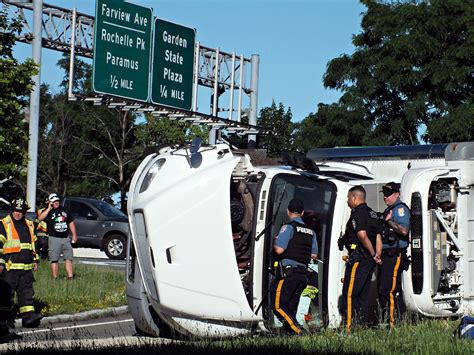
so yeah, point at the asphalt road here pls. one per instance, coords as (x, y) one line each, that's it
(106, 331)
(96, 257)
(113, 331)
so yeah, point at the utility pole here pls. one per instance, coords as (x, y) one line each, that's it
(34, 107)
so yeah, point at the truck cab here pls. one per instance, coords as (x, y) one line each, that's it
(184, 266)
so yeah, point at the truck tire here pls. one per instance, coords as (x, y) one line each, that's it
(115, 247)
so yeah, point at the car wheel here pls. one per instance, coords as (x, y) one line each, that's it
(114, 247)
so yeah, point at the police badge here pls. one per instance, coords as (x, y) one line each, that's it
(401, 211)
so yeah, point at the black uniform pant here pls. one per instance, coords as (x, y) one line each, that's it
(394, 262)
(21, 283)
(355, 291)
(6, 312)
(285, 296)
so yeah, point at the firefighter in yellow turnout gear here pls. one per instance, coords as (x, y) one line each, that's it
(18, 259)
(41, 234)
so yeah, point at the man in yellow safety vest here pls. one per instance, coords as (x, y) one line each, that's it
(18, 259)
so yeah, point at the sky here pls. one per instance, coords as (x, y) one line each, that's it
(295, 40)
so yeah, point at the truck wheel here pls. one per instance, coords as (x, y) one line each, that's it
(114, 247)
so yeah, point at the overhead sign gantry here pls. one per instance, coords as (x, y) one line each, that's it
(225, 82)
(229, 81)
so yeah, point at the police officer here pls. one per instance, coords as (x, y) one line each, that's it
(396, 219)
(18, 259)
(363, 241)
(295, 245)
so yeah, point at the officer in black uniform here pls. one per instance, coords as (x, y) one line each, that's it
(18, 259)
(396, 218)
(295, 245)
(363, 241)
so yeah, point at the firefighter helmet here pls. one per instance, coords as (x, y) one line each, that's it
(19, 204)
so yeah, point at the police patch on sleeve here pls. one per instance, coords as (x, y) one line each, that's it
(401, 211)
(283, 228)
(354, 224)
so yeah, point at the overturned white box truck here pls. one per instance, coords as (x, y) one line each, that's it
(188, 274)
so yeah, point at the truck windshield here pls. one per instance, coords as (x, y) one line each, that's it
(107, 209)
(318, 197)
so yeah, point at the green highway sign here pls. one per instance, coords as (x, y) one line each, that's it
(173, 64)
(122, 48)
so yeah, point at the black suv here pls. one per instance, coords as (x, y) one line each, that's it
(99, 225)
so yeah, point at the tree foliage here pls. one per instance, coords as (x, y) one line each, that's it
(279, 121)
(15, 85)
(163, 131)
(333, 125)
(413, 65)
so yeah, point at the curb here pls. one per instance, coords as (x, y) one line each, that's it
(95, 313)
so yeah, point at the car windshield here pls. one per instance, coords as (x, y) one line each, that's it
(107, 209)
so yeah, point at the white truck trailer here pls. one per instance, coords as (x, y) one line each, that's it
(183, 273)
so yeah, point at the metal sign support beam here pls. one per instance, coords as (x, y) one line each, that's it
(34, 108)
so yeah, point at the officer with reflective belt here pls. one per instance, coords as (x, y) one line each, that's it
(363, 241)
(396, 219)
(295, 246)
(18, 259)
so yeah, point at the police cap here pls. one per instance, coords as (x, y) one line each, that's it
(389, 188)
(296, 206)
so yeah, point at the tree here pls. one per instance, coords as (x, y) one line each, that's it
(163, 131)
(413, 66)
(276, 119)
(333, 125)
(15, 85)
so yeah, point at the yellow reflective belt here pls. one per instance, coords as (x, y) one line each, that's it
(19, 266)
(26, 246)
(26, 309)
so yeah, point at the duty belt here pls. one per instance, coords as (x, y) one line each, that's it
(295, 269)
(351, 248)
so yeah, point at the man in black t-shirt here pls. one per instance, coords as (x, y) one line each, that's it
(363, 241)
(59, 224)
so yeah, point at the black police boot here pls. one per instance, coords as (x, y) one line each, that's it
(31, 320)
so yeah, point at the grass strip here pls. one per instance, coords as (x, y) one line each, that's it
(93, 287)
